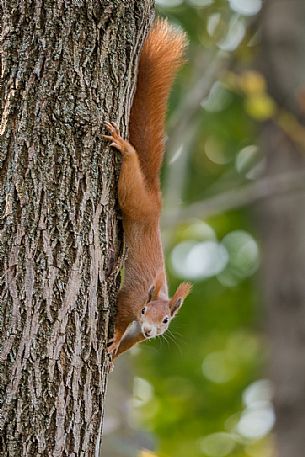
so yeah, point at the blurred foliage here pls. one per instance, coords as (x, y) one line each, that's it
(199, 389)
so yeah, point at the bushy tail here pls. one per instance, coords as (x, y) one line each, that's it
(161, 56)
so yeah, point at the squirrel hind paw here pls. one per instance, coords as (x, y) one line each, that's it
(117, 141)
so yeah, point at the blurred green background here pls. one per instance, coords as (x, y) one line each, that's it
(200, 391)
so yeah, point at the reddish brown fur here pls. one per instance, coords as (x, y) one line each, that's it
(139, 189)
(160, 59)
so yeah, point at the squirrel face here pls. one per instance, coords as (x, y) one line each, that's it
(154, 318)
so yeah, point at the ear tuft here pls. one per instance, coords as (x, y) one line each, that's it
(181, 293)
(183, 290)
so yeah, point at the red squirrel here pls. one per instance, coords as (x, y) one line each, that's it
(144, 308)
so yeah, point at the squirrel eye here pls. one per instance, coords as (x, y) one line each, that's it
(143, 311)
(165, 321)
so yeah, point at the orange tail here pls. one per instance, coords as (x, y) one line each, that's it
(160, 59)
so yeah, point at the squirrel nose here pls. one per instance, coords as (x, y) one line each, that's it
(147, 332)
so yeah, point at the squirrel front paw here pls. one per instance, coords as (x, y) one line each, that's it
(117, 141)
(114, 344)
(113, 348)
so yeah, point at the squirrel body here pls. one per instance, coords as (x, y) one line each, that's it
(144, 308)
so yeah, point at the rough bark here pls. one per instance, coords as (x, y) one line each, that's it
(67, 66)
(283, 224)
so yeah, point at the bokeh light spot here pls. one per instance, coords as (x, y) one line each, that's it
(257, 423)
(243, 253)
(217, 444)
(142, 390)
(234, 35)
(199, 260)
(246, 7)
(217, 368)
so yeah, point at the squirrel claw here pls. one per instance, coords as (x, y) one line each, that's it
(109, 364)
(113, 128)
(110, 367)
(108, 125)
(116, 128)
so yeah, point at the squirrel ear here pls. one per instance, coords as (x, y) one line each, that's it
(151, 294)
(178, 297)
(155, 289)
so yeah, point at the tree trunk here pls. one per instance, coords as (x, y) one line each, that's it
(67, 66)
(283, 221)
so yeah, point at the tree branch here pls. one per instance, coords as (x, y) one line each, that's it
(184, 124)
(236, 198)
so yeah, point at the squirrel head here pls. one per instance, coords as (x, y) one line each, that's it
(155, 317)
